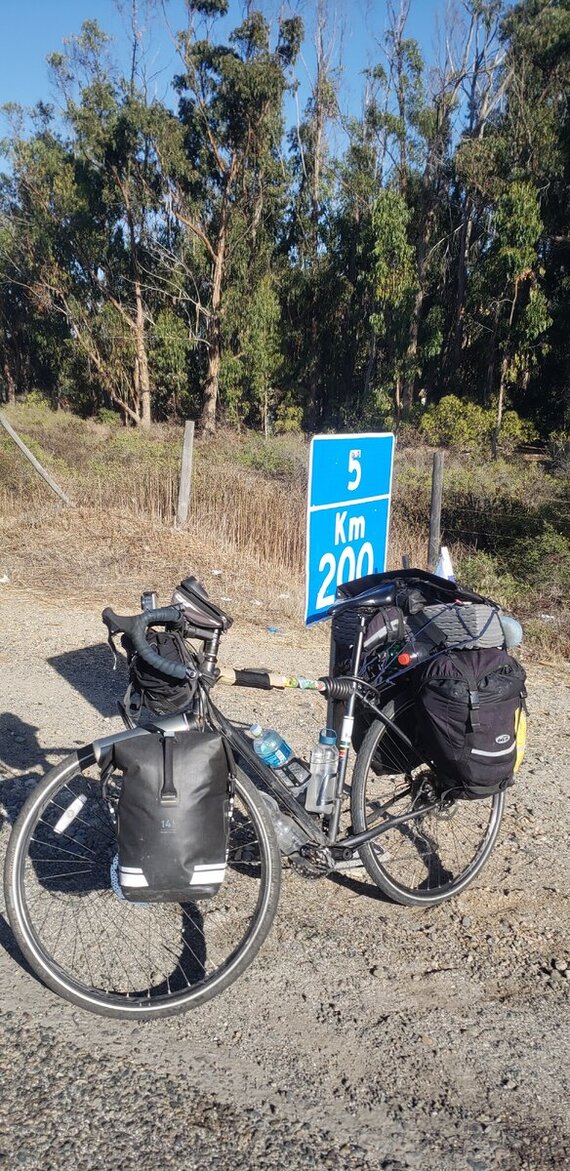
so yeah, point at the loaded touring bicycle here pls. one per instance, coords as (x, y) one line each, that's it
(143, 872)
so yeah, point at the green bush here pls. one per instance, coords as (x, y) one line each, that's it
(110, 418)
(541, 563)
(453, 422)
(559, 451)
(515, 431)
(458, 423)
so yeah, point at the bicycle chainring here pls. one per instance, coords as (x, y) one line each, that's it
(311, 865)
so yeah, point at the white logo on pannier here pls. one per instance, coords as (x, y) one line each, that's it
(504, 739)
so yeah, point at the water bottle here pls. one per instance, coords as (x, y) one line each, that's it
(414, 653)
(290, 838)
(271, 748)
(324, 767)
(512, 630)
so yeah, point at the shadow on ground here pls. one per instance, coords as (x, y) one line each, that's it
(89, 671)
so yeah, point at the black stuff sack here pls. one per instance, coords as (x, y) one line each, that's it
(161, 694)
(173, 815)
(471, 718)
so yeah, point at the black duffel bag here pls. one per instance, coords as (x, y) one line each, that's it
(173, 815)
(470, 709)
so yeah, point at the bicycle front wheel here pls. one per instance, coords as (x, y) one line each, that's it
(422, 861)
(121, 959)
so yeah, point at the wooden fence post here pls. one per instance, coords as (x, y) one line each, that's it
(185, 476)
(435, 510)
(34, 462)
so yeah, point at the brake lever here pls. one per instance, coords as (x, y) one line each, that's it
(114, 652)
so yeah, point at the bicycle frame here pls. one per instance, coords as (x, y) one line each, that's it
(312, 824)
(320, 834)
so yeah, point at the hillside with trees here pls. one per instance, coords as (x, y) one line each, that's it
(202, 259)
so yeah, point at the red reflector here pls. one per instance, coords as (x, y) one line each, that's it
(404, 659)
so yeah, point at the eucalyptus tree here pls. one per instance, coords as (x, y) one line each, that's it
(512, 163)
(307, 239)
(112, 170)
(83, 192)
(221, 173)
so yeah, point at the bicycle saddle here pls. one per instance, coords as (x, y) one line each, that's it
(373, 599)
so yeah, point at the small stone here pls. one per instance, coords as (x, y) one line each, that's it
(467, 921)
(560, 965)
(509, 1083)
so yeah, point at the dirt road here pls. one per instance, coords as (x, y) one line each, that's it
(365, 1035)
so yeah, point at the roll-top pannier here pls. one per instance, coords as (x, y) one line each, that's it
(173, 815)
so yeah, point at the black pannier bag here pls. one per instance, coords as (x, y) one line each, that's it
(470, 712)
(173, 815)
(159, 693)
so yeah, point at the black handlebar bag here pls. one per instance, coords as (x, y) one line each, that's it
(173, 815)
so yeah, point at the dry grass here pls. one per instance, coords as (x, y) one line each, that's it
(247, 518)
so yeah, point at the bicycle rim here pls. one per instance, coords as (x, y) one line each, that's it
(123, 959)
(427, 860)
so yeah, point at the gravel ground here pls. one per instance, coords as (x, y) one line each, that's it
(364, 1035)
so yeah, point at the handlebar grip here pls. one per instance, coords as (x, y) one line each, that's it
(136, 628)
(164, 615)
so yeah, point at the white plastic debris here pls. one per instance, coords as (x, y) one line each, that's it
(444, 567)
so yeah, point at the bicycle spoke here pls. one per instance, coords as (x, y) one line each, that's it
(116, 949)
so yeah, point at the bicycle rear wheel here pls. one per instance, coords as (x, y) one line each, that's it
(122, 959)
(420, 862)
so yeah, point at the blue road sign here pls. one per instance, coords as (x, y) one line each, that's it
(348, 510)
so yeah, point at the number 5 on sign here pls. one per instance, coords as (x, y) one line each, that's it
(348, 509)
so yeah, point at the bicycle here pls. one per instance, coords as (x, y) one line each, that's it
(419, 843)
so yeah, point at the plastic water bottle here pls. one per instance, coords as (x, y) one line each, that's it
(271, 748)
(290, 838)
(324, 767)
(512, 630)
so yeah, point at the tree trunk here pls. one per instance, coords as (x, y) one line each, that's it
(461, 286)
(410, 373)
(212, 388)
(142, 360)
(504, 366)
(9, 381)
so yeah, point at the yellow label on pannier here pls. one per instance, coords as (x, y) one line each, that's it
(520, 737)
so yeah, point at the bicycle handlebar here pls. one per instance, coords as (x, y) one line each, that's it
(135, 628)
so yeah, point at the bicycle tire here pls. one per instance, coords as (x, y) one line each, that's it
(76, 931)
(422, 862)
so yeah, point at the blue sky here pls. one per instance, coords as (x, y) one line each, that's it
(30, 29)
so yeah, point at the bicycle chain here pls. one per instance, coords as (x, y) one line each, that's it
(308, 869)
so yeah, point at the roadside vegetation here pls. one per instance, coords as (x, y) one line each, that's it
(401, 264)
(505, 520)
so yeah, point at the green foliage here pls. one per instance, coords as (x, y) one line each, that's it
(542, 560)
(202, 260)
(109, 418)
(394, 271)
(559, 450)
(457, 423)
